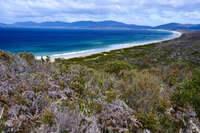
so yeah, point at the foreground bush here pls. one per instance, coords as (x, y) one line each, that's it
(117, 66)
(189, 94)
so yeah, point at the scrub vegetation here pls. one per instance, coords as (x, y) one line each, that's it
(153, 88)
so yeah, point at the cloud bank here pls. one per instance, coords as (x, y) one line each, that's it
(142, 12)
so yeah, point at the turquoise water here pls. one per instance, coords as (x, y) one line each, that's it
(68, 43)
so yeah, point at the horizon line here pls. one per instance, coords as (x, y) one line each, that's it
(97, 22)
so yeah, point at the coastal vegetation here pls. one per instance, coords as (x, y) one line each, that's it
(145, 89)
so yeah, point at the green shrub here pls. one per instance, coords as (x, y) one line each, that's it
(47, 117)
(189, 94)
(4, 55)
(111, 95)
(36, 89)
(177, 73)
(62, 84)
(78, 85)
(43, 86)
(20, 100)
(161, 123)
(117, 66)
(29, 57)
(169, 125)
(150, 121)
(142, 90)
(97, 107)
(48, 59)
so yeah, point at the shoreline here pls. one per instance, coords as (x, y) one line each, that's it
(85, 53)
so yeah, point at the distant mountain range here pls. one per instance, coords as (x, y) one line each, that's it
(99, 25)
(1, 24)
(177, 26)
(79, 24)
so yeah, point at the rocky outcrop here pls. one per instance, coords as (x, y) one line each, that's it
(188, 117)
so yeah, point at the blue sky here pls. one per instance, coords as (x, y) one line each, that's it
(141, 12)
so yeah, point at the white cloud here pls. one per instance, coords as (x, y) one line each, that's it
(148, 12)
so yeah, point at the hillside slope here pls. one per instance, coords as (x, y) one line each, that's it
(153, 88)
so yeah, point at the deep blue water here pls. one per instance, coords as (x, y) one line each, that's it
(44, 42)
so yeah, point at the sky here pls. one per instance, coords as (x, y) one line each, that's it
(140, 12)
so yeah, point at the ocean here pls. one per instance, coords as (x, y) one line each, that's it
(65, 43)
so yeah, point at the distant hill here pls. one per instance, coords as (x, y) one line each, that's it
(100, 25)
(80, 24)
(2, 25)
(44, 24)
(177, 26)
